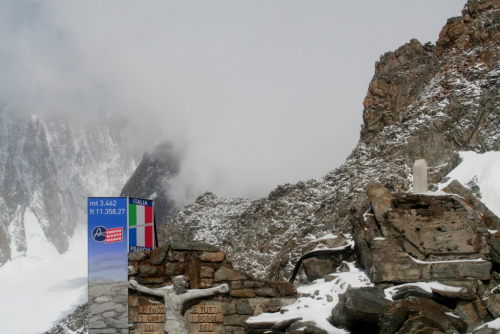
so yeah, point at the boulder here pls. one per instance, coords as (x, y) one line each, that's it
(408, 291)
(467, 289)
(493, 305)
(417, 324)
(486, 330)
(473, 313)
(235, 320)
(176, 268)
(212, 256)
(359, 309)
(258, 327)
(307, 327)
(322, 265)
(244, 308)
(137, 256)
(494, 243)
(226, 274)
(419, 313)
(149, 271)
(242, 293)
(380, 198)
(282, 325)
(329, 241)
(158, 255)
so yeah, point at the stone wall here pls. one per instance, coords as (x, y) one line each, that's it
(108, 308)
(204, 266)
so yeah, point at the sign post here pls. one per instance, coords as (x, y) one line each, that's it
(107, 259)
(116, 226)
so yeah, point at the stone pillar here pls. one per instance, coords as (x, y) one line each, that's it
(420, 176)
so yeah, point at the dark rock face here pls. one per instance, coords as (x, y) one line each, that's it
(388, 94)
(408, 291)
(424, 101)
(320, 266)
(358, 310)
(418, 315)
(150, 180)
(322, 260)
(76, 322)
(473, 313)
(380, 198)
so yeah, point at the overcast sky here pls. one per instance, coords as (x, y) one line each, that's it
(256, 93)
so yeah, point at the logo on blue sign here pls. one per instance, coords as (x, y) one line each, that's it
(99, 233)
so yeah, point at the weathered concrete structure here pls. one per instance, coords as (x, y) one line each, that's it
(410, 238)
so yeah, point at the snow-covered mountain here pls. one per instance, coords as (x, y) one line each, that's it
(151, 180)
(48, 166)
(47, 169)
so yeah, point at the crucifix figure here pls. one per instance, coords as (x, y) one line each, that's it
(175, 298)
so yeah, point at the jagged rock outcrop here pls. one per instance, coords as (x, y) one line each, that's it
(359, 309)
(75, 323)
(419, 315)
(424, 101)
(150, 180)
(325, 256)
(428, 259)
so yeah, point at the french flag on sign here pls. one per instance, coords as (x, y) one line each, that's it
(140, 223)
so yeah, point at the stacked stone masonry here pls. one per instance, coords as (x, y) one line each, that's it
(204, 266)
(108, 308)
(411, 238)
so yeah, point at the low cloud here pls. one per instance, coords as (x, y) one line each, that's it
(255, 93)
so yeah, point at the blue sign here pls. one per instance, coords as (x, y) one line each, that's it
(108, 258)
(107, 240)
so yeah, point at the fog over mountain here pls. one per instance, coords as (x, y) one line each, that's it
(255, 93)
(248, 95)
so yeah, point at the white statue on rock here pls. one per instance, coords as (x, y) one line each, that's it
(175, 298)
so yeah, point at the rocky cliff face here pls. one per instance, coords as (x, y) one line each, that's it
(47, 169)
(150, 180)
(75, 323)
(424, 101)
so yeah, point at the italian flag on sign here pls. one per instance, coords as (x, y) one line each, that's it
(140, 223)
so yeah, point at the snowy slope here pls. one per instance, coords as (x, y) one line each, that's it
(318, 299)
(44, 286)
(482, 170)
